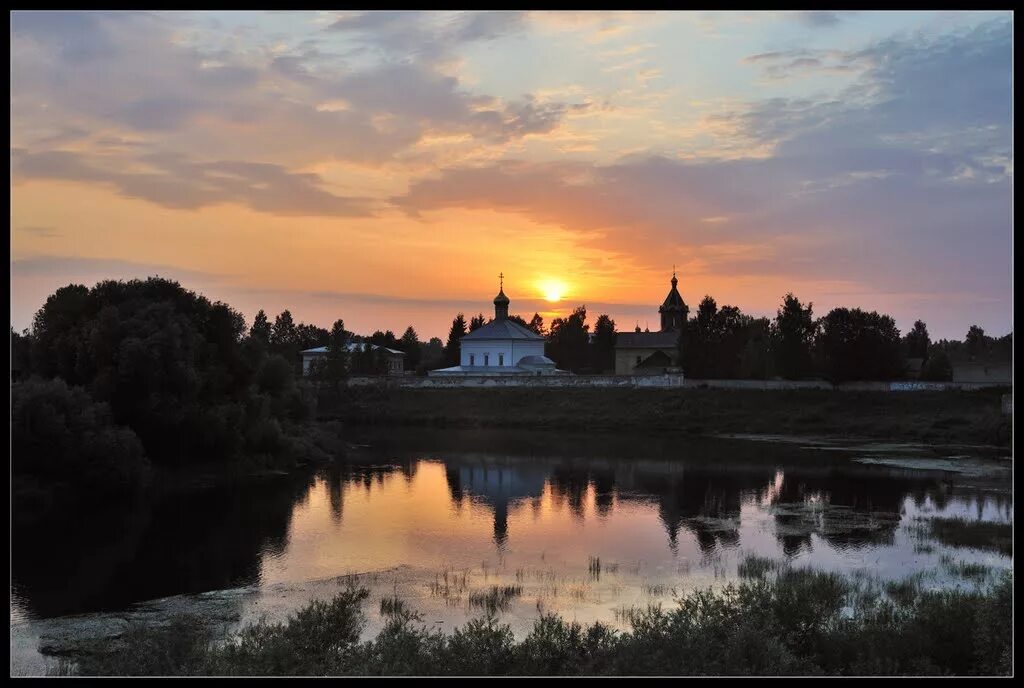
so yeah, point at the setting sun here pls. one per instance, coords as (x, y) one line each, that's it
(552, 289)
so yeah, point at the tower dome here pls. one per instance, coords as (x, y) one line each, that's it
(501, 301)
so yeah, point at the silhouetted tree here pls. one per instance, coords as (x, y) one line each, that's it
(795, 328)
(334, 367)
(756, 360)
(700, 341)
(433, 355)
(568, 339)
(855, 345)
(477, 322)
(60, 435)
(977, 342)
(310, 337)
(261, 328)
(21, 355)
(284, 337)
(385, 339)
(456, 333)
(603, 345)
(410, 344)
(537, 324)
(173, 368)
(917, 341)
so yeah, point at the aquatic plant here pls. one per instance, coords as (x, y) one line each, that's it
(496, 598)
(796, 622)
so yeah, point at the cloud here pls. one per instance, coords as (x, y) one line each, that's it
(900, 184)
(77, 268)
(821, 18)
(429, 37)
(41, 232)
(164, 83)
(176, 182)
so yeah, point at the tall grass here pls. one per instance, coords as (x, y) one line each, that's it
(796, 622)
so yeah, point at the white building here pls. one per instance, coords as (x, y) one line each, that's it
(395, 358)
(501, 347)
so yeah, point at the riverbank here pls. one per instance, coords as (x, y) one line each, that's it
(777, 621)
(949, 417)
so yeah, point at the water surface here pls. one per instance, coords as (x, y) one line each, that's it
(586, 526)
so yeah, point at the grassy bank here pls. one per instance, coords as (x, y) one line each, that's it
(952, 417)
(776, 621)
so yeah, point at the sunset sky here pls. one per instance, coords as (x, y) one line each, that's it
(384, 167)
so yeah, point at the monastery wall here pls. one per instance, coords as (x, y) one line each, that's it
(652, 382)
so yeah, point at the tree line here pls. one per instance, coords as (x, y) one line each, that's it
(722, 342)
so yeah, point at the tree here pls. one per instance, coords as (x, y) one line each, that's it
(976, 341)
(261, 328)
(855, 345)
(334, 367)
(456, 333)
(477, 322)
(283, 335)
(410, 344)
(756, 358)
(537, 324)
(731, 330)
(699, 341)
(60, 435)
(432, 357)
(171, 366)
(385, 339)
(310, 337)
(603, 345)
(21, 355)
(568, 340)
(917, 341)
(795, 330)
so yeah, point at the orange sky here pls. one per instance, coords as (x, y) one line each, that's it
(383, 168)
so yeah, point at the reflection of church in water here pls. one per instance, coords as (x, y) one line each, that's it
(706, 502)
(496, 485)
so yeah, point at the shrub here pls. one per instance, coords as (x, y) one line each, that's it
(59, 435)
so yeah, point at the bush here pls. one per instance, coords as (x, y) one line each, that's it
(59, 435)
(798, 622)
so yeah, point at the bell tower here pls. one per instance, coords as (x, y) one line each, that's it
(674, 310)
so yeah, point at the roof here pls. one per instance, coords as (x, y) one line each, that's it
(646, 340)
(673, 301)
(502, 329)
(537, 361)
(354, 346)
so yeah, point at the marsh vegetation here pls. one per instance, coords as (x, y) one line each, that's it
(777, 620)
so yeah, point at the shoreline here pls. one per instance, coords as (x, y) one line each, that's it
(932, 418)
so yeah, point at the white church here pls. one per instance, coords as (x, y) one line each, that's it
(501, 347)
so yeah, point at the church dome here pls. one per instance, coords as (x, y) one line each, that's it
(501, 299)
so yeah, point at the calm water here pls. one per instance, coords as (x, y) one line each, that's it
(535, 510)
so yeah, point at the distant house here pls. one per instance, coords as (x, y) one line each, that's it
(395, 358)
(651, 353)
(980, 372)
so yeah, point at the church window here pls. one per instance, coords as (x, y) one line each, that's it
(501, 359)
(472, 359)
(486, 361)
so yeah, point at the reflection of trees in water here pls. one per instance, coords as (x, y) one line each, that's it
(848, 509)
(704, 500)
(180, 542)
